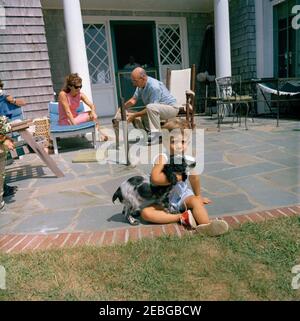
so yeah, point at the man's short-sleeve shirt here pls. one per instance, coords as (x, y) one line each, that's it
(155, 92)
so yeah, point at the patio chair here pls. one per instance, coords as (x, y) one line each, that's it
(229, 101)
(181, 84)
(63, 131)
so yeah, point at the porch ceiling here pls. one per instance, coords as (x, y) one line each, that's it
(139, 5)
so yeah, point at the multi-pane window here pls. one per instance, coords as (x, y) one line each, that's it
(97, 53)
(169, 44)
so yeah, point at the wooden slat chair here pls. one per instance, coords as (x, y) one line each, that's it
(63, 131)
(181, 84)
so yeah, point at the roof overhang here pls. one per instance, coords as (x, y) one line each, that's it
(138, 5)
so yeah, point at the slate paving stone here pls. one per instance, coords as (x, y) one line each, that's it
(242, 140)
(296, 190)
(265, 194)
(45, 223)
(78, 167)
(239, 159)
(25, 207)
(98, 168)
(101, 218)
(292, 144)
(264, 136)
(210, 157)
(216, 186)
(68, 199)
(52, 179)
(7, 219)
(97, 190)
(228, 205)
(258, 149)
(280, 157)
(213, 167)
(285, 178)
(233, 173)
(223, 147)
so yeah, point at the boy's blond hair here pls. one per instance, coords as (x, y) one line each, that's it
(176, 128)
(179, 123)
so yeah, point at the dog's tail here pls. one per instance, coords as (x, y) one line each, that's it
(118, 195)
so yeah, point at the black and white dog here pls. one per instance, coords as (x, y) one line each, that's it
(138, 192)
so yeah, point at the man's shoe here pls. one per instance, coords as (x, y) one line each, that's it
(214, 228)
(9, 190)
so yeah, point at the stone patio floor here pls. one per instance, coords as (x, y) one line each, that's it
(245, 172)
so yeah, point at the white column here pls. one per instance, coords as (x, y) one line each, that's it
(76, 44)
(222, 38)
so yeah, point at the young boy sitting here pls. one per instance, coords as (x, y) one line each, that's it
(185, 205)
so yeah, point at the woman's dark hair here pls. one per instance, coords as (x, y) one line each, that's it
(71, 80)
(1, 84)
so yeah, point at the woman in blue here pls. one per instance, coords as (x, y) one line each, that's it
(8, 104)
(9, 107)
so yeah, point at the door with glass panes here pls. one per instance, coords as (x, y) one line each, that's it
(100, 66)
(286, 41)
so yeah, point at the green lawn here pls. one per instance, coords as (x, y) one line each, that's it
(251, 263)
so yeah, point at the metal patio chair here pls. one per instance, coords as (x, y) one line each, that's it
(230, 101)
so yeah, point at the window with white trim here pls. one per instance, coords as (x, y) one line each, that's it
(97, 53)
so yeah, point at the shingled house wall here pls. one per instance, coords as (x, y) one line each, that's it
(24, 60)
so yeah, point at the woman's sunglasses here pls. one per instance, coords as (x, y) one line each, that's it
(76, 87)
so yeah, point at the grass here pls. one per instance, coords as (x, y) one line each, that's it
(251, 263)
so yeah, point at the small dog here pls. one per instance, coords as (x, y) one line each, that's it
(138, 192)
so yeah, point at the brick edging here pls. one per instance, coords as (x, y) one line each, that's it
(16, 243)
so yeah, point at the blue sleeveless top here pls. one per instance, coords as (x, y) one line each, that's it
(9, 110)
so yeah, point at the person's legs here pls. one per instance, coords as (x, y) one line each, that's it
(85, 117)
(145, 123)
(199, 211)
(2, 168)
(158, 112)
(205, 226)
(115, 122)
(82, 118)
(139, 123)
